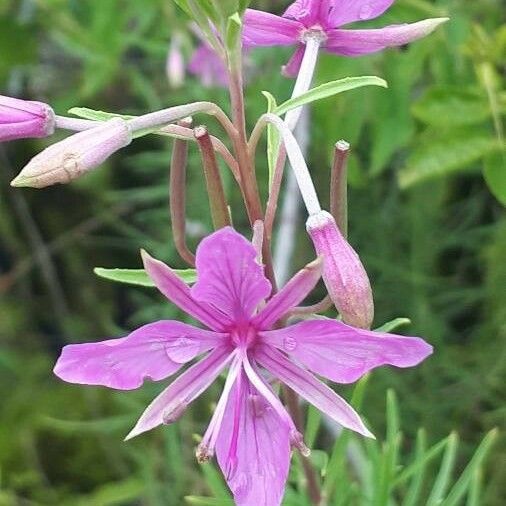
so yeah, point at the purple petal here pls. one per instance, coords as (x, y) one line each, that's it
(343, 353)
(153, 352)
(348, 11)
(179, 294)
(186, 388)
(208, 66)
(265, 29)
(229, 276)
(359, 42)
(291, 69)
(294, 292)
(305, 11)
(311, 389)
(253, 448)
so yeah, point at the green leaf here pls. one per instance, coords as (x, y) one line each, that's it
(207, 501)
(139, 277)
(272, 137)
(446, 156)
(328, 90)
(494, 172)
(233, 35)
(445, 471)
(92, 114)
(226, 8)
(415, 488)
(449, 107)
(393, 325)
(464, 481)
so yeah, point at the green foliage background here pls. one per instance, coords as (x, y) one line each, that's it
(427, 177)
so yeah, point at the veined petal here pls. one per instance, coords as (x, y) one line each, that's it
(311, 389)
(265, 29)
(229, 276)
(291, 69)
(294, 292)
(179, 293)
(253, 448)
(349, 11)
(359, 42)
(153, 352)
(305, 11)
(343, 353)
(175, 398)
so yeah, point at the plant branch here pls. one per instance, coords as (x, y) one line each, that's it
(217, 200)
(177, 195)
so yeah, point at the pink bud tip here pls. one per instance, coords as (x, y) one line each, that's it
(78, 154)
(343, 273)
(22, 119)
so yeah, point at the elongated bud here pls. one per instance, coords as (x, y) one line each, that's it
(175, 65)
(78, 154)
(22, 119)
(343, 272)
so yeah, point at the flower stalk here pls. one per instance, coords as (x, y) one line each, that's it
(177, 195)
(339, 186)
(217, 200)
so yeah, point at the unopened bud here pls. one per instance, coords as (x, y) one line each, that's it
(297, 441)
(78, 154)
(343, 273)
(22, 119)
(175, 65)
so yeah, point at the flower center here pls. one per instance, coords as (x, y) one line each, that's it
(244, 336)
(314, 32)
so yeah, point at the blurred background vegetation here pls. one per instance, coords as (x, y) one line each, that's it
(427, 181)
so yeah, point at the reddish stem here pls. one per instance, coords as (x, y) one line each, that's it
(177, 195)
(217, 200)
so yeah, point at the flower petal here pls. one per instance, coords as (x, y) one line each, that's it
(153, 352)
(343, 353)
(265, 29)
(179, 294)
(229, 276)
(305, 11)
(359, 42)
(311, 389)
(175, 398)
(291, 69)
(294, 292)
(348, 11)
(253, 448)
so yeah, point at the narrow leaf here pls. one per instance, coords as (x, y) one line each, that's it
(393, 325)
(445, 472)
(328, 90)
(139, 276)
(462, 485)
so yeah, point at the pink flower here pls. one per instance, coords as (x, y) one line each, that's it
(208, 66)
(250, 431)
(323, 19)
(21, 119)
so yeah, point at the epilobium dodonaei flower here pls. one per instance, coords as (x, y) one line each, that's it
(208, 66)
(67, 160)
(250, 431)
(22, 119)
(344, 275)
(323, 19)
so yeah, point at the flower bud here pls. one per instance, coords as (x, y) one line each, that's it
(78, 154)
(175, 65)
(343, 272)
(22, 119)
